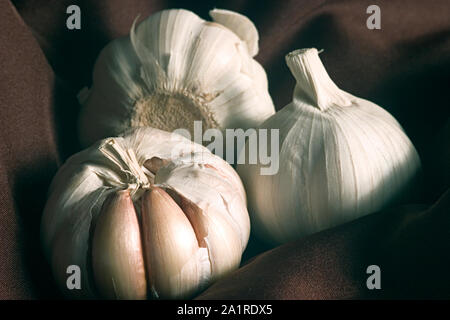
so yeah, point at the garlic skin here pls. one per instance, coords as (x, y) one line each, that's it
(341, 157)
(148, 214)
(175, 68)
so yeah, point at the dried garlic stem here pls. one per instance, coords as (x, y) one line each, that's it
(314, 81)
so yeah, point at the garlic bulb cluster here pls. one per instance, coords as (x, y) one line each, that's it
(175, 68)
(340, 157)
(147, 214)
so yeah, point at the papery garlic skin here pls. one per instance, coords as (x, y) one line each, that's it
(175, 68)
(97, 192)
(341, 157)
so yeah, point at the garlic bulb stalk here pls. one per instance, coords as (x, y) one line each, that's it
(147, 214)
(175, 68)
(341, 157)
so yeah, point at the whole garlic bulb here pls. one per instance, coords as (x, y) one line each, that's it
(148, 214)
(175, 68)
(340, 157)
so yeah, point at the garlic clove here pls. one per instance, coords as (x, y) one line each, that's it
(117, 258)
(240, 25)
(214, 182)
(175, 264)
(214, 232)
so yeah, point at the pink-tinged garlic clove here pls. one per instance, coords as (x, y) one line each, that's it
(117, 258)
(214, 231)
(176, 266)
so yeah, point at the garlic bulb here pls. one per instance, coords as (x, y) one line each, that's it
(148, 214)
(340, 157)
(175, 68)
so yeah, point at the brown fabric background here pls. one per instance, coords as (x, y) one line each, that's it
(332, 264)
(404, 67)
